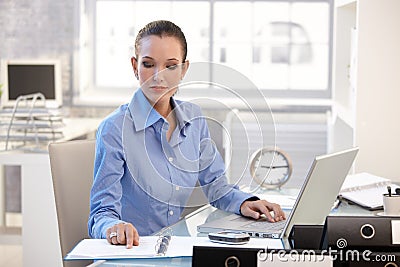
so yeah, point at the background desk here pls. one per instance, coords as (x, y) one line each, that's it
(188, 226)
(40, 243)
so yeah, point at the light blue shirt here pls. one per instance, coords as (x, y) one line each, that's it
(143, 179)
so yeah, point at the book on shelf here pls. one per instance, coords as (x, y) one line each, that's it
(366, 190)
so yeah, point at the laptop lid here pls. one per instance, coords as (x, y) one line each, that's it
(320, 189)
(314, 202)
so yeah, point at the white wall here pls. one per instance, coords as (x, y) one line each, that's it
(377, 130)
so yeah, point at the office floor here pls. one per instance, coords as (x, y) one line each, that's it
(11, 241)
(10, 247)
(11, 255)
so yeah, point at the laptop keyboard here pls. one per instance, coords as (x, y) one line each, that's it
(264, 223)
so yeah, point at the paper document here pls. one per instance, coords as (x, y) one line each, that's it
(366, 190)
(362, 181)
(180, 246)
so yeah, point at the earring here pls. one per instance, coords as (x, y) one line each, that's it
(137, 76)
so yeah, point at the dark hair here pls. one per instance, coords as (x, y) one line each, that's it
(162, 28)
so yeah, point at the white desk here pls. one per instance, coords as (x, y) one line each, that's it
(79, 128)
(40, 243)
(70, 129)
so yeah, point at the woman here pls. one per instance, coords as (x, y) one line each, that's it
(151, 152)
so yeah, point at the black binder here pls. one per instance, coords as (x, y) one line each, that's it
(306, 236)
(224, 256)
(359, 232)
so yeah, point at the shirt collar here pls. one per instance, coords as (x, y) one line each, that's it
(144, 115)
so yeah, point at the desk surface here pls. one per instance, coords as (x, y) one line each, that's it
(188, 227)
(68, 129)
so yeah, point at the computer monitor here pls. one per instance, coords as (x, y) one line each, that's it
(24, 77)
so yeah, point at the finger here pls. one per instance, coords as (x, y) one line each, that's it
(129, 237)
(248, 211)
(132, 236)
(279, 215)
(113, 239)
(121, 233)
(108, 233)
(253, 214)
(135, 237)
(265, 209)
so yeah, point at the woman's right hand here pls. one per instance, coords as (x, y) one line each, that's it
(123, 234)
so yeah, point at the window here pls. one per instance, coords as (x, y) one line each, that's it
(284, 47)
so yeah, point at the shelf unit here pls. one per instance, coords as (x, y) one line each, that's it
(366, 83)
(344, 94)
(29, 125)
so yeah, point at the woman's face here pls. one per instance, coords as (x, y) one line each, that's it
(159, 67)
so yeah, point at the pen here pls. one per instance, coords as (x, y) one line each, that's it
(337, 203)
(389, 190)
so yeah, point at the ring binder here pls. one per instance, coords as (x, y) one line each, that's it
(162, 245)
(163, 242)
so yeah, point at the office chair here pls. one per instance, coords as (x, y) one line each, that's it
(72, 172)
(72, 165)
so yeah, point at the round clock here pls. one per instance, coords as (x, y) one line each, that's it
(270, 167)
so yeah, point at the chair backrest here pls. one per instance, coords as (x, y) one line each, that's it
(72, 172)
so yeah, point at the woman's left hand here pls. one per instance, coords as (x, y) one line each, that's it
(255, 209)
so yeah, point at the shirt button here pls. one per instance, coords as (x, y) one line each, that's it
(177, 188)
(170, 159)
(171, 212)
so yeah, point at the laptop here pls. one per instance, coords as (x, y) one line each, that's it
(314, 202)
